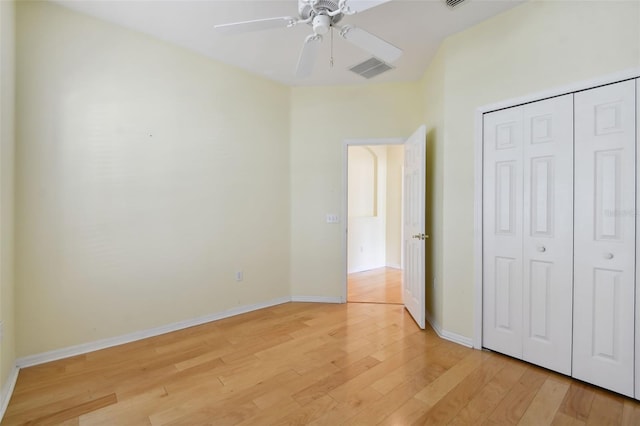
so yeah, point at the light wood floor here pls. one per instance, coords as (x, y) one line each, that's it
(299, 364)
(382, 285)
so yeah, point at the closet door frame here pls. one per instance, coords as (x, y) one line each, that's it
(478, 184)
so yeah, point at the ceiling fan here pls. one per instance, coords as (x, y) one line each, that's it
(323, 16)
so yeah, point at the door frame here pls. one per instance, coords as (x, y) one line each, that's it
(479, 173)
(345, 196)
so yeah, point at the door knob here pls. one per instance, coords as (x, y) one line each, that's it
(542, 249)
(420, 236)
(608, 256)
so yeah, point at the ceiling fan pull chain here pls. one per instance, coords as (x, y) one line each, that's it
(331, 58)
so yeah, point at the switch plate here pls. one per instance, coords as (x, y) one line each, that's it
(332, 218)
(239, 276)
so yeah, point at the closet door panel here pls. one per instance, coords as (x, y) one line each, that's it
(604, 268)
(502, 232)
(548, 233)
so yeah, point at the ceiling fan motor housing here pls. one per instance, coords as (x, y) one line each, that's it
(306, 11)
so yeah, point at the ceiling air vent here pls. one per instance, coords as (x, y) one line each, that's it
(371, 68)
(453, 3)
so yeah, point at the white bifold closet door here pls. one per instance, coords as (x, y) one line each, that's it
(604, 293)
(527, 232)
(548, 233)
(502, 232)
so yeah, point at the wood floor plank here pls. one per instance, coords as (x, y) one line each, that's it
(373, 374)
(562, 419)
(607, 409)
(545, 404)
(486, 400)
(75, 411)
(408, 413)
(307, 414)
(323, 387)
(400, 403)
(381, 285)
(402, 374)
(132, 411)
(435, 391)
(578, 400)
(459, 397)
(513, 406)
(630, 413)
(352, 406)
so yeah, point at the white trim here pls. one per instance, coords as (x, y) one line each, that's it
(562, 90)
(7, 391)
(318, 299)
(379, 141)
(447, 335)
(394, 266)
(84, 348)
(345, 196)
(558, 91)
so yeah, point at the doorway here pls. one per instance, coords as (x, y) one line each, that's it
(374, 221)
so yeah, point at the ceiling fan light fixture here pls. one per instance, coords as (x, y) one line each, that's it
(321, 24)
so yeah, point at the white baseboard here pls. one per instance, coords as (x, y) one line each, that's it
(317, 299)
(394, 266)
(7, 391)
(447, 335)
(84, 348)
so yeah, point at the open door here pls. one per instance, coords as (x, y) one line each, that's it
(413, 284)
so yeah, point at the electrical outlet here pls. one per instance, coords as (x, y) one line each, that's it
(332, 218)
(239, 276)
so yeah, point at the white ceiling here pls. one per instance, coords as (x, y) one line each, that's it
(416, 26)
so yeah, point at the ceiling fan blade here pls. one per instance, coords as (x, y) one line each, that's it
(256, 25)
(378, 47)
(308, 55)
(356, 6)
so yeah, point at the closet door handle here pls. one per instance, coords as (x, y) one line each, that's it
(542, 249)
(608, 256)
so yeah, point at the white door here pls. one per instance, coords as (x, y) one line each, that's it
(604, 297)
(413, 283)
(502, 232)
(548, 233)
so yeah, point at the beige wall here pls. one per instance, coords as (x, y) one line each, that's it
(7, 144)
(146, 177)
(432, 89)
(321, 119)
(534, 47)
